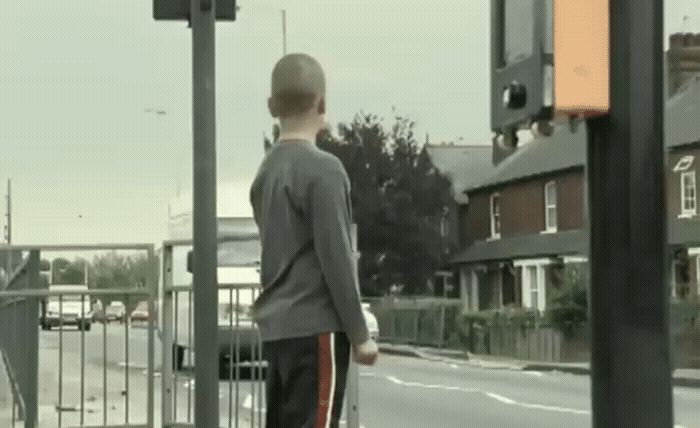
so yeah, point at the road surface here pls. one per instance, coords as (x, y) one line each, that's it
(398, 392)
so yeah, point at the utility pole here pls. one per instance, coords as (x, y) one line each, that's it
(8, 229)
(284, 31)
(205, 281)
(630, 357)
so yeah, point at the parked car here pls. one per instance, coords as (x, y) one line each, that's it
(372, 323)
(67, 313)
(140, 313)
(116, 311)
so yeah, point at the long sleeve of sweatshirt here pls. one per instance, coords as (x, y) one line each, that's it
(331, 217)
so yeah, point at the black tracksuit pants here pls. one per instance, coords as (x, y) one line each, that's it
(306, 378)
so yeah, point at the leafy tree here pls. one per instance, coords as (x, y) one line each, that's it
(568, 308)
(117, 271)
(65, 272)
(396, 196)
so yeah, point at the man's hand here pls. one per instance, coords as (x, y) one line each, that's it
(366, 354)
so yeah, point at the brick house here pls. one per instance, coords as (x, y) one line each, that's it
(465, 166)
(525, 224)
(683, 166)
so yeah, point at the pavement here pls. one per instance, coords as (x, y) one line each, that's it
(689, 378)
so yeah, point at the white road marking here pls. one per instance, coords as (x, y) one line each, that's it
(492, 395)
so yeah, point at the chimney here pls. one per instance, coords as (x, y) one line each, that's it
(683, 60)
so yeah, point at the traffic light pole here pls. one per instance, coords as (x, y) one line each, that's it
(631, 366)
(205, 282)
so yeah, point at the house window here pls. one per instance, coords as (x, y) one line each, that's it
(684, 164)
(533, 283)
(550, 206)
(697, 275)
(534, 286)
(688, 194)
(495, 216)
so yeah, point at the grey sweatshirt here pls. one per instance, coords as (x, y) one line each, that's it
(301, 204)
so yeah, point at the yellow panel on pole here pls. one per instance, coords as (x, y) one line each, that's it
(581, 57)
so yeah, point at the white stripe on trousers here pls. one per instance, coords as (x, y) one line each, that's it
(331, 398)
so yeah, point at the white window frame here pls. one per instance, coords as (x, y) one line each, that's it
(550, 205)
(695, 252)
(533, 293)
(684, 163)
(526, 286)
(697, 274)
(674, 277)
(492, 216)
(689, 212)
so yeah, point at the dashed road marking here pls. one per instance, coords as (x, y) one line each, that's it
(492, 395)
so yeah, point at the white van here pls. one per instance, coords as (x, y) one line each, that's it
(239, 264)
(70, 310)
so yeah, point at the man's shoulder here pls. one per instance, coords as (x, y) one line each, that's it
(322, 164)
(329, 161)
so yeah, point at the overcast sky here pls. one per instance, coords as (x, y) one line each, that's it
(81, 82)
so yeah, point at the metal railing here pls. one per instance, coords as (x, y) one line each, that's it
(237, 341)
(78, 382)
(20, 318)
(241, 367)
(19, 340)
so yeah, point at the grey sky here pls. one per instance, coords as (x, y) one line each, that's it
(78, 76)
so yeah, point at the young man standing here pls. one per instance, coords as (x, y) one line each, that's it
(309, 312)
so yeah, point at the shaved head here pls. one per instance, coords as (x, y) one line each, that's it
(297, 83)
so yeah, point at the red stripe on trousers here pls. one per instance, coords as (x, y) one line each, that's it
(325, 374)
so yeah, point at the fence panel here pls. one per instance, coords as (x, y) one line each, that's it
(416, 321)
(241, 366)
(19, 341)
(72, 360)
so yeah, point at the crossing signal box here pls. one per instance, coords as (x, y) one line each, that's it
(179, 10)
(549, 60)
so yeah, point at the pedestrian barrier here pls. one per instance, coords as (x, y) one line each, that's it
(21, 315)
(19, 340)
(242, 368)
(237, 341)
(65, 378)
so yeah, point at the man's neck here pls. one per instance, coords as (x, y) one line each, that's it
(296, 135)
(297, 130)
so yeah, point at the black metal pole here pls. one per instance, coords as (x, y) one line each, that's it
(204, 278)
(631, 368)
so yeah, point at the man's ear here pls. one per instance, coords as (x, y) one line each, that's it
(272, 107)
(322, 105)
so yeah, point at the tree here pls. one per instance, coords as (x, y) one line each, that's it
(117, 271)
(65, 272)
(396, 196)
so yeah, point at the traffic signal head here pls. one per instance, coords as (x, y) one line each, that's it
(521, 63)
(549, 60)
(179, 10)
